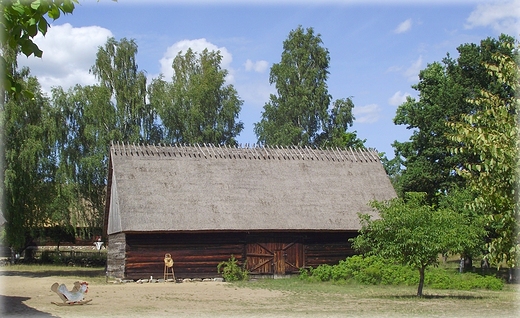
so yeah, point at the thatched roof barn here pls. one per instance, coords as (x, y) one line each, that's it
(278, 208)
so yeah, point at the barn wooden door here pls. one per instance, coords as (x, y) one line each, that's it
(279, 262)
(274, 256)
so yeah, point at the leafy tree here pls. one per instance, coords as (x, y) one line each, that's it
(117, 70)
(394, 169)
(299, 114)
(457, 200)
(197, 106)
(414, 233)
(26, 123)
(491, 136)
(444, 90)
(21, 21)
(88, 125)
(340, 118)
(31, 192)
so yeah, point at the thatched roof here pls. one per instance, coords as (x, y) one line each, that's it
(204, 188)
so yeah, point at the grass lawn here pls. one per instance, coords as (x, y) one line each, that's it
(381, 300)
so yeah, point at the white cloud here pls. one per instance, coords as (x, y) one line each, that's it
(258, 66)
(367, 114)
(398, 98)
(412, 72)
(394, 68)
(502, 16)
(68, 54)
(255, 93)
(197, 46)
(404, 26)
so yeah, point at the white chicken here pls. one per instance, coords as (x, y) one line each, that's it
(77, 294)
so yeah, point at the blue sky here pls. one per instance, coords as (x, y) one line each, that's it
(377, 48)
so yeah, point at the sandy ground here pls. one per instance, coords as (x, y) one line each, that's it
(28, 295)
(32, 297)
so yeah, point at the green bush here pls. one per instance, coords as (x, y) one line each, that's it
(82, 259)
(368, 270)
(445, 279)
(374, 270)
(231, 271)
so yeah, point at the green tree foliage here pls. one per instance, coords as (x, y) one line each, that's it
(458, 200)
(32, 197)
(444, 90)
(117, 70)
(299, 114)
(21, 21)
(29, 197)
(414, 233)
(197, 106)
(88, 125)
(340, 118)
(491, 136)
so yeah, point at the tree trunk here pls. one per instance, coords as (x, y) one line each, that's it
(421, 281)
(468, 263)
(13, 256)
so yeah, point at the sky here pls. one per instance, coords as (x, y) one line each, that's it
(377, 48)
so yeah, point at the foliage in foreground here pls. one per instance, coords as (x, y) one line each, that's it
(414, 233)
(21, 22)
(373, 270)
(232, 271)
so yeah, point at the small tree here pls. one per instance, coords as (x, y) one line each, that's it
(414, 233)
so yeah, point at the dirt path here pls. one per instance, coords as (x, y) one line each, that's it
(32, 297)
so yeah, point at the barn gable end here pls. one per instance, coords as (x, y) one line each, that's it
(275, 207)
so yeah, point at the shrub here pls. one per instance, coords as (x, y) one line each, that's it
(231, 271)
(321, 273)
(83, 259)
(446, 279)
(374, 270)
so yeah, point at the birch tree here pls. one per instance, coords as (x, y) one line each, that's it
(116, 68)
(198, 106)
(299, 113)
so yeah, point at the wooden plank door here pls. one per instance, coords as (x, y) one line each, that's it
(259, 258)
(293, 257)
(278, 256)
(279, 262)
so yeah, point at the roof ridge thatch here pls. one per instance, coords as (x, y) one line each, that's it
(258, 152)
(233, 188)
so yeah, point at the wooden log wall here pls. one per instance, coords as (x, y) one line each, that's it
(328, 248)
(196, 255)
